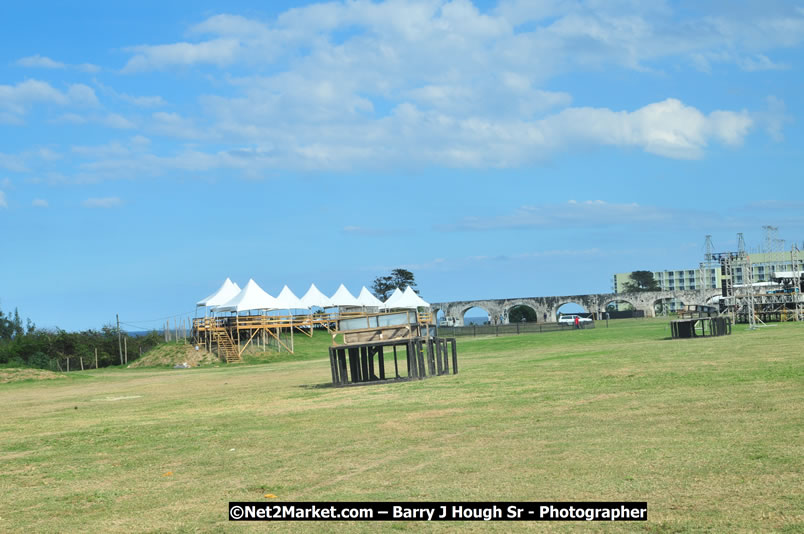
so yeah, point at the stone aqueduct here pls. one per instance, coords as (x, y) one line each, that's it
(498, 309)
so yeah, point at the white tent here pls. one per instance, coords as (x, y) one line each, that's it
(314, 297)
(342, 297)
(395, 296)
(252, 297)
(226, 292)
(414, 297)
(407, 299)
(288, 301)
(365, 298)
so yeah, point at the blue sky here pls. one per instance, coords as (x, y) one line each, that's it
(496, 149)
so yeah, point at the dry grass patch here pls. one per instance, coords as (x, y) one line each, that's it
(171, 354)
(19, 375)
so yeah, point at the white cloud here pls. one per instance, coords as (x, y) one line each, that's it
(327, 139)
(47, 154)
(369, 231)
(218, 52)
(40, 203)
(442, 82)
(16, 99)
(145, 101)
(88, 67)
(114, 120)
(405, 83)
(71, 118)
(3, 203)
(40, 61)
(231, 26)
(174, 125)
(759, 62)
(139, 141)
(139, 101)
(112, 149)
(80, 94)
(105, 202)
(667, 128)
(433, 37)
(586, 214)
(774, 117)
(13, 163)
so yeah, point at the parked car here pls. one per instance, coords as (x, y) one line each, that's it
(570, 319)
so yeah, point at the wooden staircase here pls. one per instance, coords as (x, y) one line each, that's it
(226, 349)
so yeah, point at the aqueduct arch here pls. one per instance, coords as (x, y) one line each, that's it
(593, 302)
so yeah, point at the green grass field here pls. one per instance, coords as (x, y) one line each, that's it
(708, 431)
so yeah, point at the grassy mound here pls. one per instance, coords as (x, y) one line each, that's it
(170, 354)
(19, 375)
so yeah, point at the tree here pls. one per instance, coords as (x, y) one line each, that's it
(641, 281)
(10, 325)
(383, 286)
(403, 278)
(521, 314)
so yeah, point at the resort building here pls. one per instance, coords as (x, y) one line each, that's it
(707, 276)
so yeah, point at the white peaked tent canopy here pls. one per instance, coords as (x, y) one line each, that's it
(365, 298)
(288, 301)
(407, 299)
(252, 297)
(342, 297)
(226, 292)
(391, 301)
(314, 297)
(415, 298)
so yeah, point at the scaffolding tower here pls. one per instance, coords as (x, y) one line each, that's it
(795, 263)
(705, 267)
(777, 297)
(771, 237)
(747, 303)
(727, 283)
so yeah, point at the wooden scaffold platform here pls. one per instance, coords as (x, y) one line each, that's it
(369, 336)
(231, 335)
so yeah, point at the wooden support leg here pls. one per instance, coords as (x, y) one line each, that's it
(420, 356)
(396, 364)
(366, 374)
(454, 356)
(412, 363)
(342, 376)
(372, 351)
(333, 365)
(354, 365)
(445, 355)
(439, 363)
(381, 361)
(431, 357)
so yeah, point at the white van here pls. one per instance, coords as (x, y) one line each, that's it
(570, 319)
